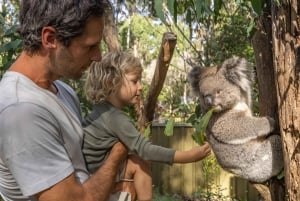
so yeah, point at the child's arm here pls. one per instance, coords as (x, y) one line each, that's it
(195, 154)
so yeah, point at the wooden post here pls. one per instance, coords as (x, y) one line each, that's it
(166, 52)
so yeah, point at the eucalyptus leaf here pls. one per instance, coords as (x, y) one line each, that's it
(10, 45)
(200, 127)
(280, 175)
(147, 131)
(159, 10)
(217, 6)
(199, 10)
(169, 127)
(257, 6)
(171, 6)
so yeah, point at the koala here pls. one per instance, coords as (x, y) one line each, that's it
(242, 143)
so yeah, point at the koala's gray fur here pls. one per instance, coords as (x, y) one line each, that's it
(242, 143)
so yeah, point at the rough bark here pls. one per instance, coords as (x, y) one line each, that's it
(262, 45)
(286, 54)
(166, 52)
(110, 34)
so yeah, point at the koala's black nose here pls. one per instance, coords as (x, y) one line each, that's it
(208, 100)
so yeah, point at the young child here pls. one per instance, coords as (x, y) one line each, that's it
(113, 83)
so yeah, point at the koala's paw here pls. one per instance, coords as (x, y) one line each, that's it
(271, 122)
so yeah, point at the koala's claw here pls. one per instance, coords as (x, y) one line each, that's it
(271, 122)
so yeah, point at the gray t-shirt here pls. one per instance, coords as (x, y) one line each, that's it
(40, 137)
(105, 126)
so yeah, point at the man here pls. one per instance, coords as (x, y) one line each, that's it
(40, 117)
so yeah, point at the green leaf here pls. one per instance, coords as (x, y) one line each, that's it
(11, 31)
(200, 127)
(217, 6)
(170, 6)
(175, 12)
(199, 10)
(169, 127)
(189, 16)
(147, 131)
(159, 10)
(280, 175)
(10, 45)
(257, 6)
(251, 28)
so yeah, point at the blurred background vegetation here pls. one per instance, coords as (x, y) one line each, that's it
(207, 32)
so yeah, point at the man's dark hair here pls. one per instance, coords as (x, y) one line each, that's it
(68, 17)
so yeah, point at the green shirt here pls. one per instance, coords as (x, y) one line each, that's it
(105, 126)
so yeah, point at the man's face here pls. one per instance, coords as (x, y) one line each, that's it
(70, 62)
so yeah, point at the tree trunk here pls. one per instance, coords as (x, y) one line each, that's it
(110, 34)
(286, 54)
(262, 45)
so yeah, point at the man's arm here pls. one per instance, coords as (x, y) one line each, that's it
(96, 188)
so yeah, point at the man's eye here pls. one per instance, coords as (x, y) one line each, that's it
(93, 47)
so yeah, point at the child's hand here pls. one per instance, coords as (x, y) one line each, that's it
(193, 155)
(201, 152)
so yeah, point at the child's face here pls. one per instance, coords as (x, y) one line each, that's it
(131, 89)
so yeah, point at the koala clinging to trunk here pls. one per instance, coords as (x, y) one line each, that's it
(242, 143)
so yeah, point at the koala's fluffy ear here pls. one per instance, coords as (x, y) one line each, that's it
(238, 71)
(194, 77)
(198, 74)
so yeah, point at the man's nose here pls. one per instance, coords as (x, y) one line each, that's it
(97, 54)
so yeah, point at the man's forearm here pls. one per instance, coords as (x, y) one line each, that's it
(100, 184)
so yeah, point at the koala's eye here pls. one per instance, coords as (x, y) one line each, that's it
(218, 92)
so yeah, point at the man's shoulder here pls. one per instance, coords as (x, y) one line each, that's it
(17, 89)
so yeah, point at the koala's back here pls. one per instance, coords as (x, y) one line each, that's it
(239, 150)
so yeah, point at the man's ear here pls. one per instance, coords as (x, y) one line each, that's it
(49, 40)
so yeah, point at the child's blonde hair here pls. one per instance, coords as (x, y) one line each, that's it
(105, 77)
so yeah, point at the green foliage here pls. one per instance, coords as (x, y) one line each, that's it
(257, 6)
(169, 127)
(143, 33)
(157, 196)
(200, 125)
(147, 131)
(211, 195)
(10, 42)
(280, 175)
(158, 5)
